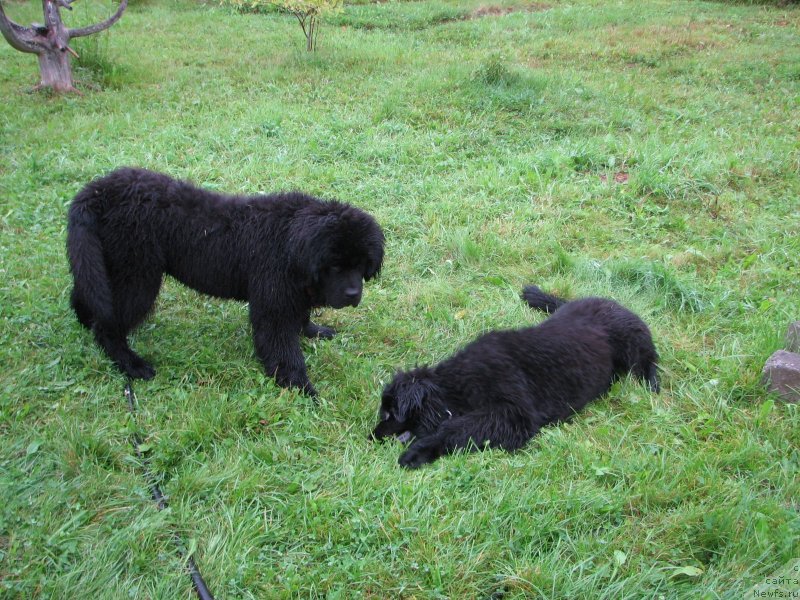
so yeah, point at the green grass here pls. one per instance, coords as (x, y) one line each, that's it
(645, 151)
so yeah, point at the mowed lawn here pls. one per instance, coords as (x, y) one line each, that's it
(645, 151)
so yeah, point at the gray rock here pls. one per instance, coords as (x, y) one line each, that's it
(793, 337)
(781, 375)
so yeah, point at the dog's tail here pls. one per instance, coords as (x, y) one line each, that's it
(540, 300)
(92, 299)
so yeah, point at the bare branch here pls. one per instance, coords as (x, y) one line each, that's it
(308, 13)
(301, 17)
(82, 31)
(24, 39)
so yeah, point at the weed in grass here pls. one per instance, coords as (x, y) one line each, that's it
(656, 279)
(496, 86)
(95, 65)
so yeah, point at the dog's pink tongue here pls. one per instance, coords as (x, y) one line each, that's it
(404, 437)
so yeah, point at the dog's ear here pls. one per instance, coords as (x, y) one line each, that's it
(374, 243)
(311, 244)
(373, 268)
(364, 240)
(411, 397)
(409, 400)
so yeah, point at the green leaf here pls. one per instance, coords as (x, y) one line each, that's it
(749, 260)
(688, 571)
(765, 410)
(620, 557)
(496, 280)
(33, 447)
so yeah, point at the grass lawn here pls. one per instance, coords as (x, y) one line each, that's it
(646, 151)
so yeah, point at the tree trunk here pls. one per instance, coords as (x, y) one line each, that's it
(310, 35)
(55, 71)
(50, 42)
(54, 66)
(309, 21)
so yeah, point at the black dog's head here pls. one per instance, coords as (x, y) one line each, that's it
(410, 405)
(336, 248)
(341, 286)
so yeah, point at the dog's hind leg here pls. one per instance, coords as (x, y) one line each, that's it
(651, 377)
(115, 344)
(471, 431)
(82, 310)
(633, 350)
(644, 362)
(541, 300)
(133, 300)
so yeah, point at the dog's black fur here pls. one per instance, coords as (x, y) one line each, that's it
(505, 386)
(283, 253)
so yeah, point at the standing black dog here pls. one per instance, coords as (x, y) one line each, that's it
(505, 386)
(283, 253)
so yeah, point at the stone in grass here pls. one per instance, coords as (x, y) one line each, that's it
(782, 375)
(793, 337)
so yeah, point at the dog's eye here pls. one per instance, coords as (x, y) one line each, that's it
(385, 415)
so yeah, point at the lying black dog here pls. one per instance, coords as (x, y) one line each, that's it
(283, 253)
(505, 386)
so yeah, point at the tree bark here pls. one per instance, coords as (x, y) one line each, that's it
(56, 72)
(50, 42)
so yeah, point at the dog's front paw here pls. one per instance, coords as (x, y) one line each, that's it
(325, 333)
(417, 455)
(306, 387)
(296, 380)
(312, 330)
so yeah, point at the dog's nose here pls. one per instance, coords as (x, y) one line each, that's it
(352, 293)
(353, 299)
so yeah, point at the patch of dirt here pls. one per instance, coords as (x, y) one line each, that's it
(491, 11)
(497, 11)
(661, 38)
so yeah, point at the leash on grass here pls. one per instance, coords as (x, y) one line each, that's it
(197, 579)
